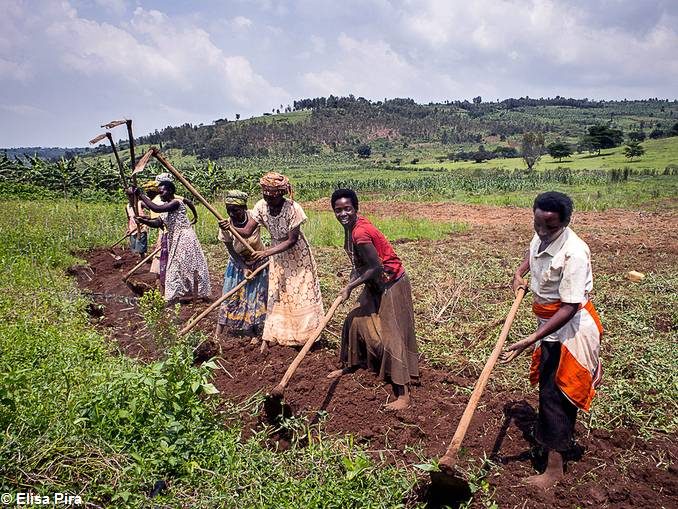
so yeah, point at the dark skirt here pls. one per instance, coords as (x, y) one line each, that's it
(557, 415)
(138, 242)
(378, 333)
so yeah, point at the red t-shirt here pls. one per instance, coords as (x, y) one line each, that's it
(365, 232)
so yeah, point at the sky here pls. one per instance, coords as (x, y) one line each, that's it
(66, 67)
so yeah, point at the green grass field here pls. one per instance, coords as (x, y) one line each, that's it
(659, 154)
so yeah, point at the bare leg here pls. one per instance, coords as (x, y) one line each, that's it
(552, 474)
(402, 393)
(218, 331)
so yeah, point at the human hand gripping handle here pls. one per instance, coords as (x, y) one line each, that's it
(519, 282)
(517, 348)
(258, 256)
(346, 293)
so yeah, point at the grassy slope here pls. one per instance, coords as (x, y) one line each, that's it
(659, 154)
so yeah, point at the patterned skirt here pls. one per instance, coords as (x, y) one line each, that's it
(186, 263)
(245, 311)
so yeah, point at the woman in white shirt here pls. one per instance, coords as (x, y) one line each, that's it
(565, 362)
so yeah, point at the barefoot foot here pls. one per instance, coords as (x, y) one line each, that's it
(553, 474)
(544, 481)
(399, 404)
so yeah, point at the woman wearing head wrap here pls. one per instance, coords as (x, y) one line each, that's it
(295, 306)
(186, 264)
(244, 312)
(159, 263)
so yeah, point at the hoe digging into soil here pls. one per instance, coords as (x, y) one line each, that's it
(449, 484)
(273, 405)
(139, 287)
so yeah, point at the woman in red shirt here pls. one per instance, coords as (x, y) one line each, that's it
(379, 332)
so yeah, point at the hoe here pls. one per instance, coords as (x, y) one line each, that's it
(449, 484)
(273, 405)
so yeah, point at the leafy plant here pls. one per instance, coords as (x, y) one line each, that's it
(161, 321)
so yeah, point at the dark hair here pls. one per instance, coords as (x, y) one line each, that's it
(345, 193)
(553, 201)
(169, 185)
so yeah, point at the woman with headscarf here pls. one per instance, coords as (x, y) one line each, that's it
(244, 312)
(186, 263)
(159, 263)
(295, 306)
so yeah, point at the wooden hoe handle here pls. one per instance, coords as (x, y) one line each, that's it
(452, 450)
(198, 196)
(190, 325)
(309, 343)
(140, 264)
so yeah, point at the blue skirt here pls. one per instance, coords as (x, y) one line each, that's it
(245, 311)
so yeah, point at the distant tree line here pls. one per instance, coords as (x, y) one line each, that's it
(344, 123)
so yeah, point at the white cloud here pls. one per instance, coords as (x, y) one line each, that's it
(25, 110)
(115, 6)
(161, 57)
(18, 71)
(372, 68)
(241, 23)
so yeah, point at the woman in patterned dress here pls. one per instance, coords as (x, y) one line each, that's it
(295, 306)
(244, 312)
(186, 263)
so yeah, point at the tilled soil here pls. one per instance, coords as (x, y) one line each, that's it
(616, 469)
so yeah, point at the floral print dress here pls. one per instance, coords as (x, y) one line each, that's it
(295, 306)
(185, 258)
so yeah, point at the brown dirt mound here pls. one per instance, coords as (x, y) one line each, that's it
(114, 303)
(616, 470)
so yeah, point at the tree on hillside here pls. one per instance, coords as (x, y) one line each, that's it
(674, 130)
(602, 136)
(633, 149)
(559, 149)
(364, 151)
(477, 100)
(532, 148)
(637, 136)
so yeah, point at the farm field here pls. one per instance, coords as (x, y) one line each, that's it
(73, 333)
(660, 153)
